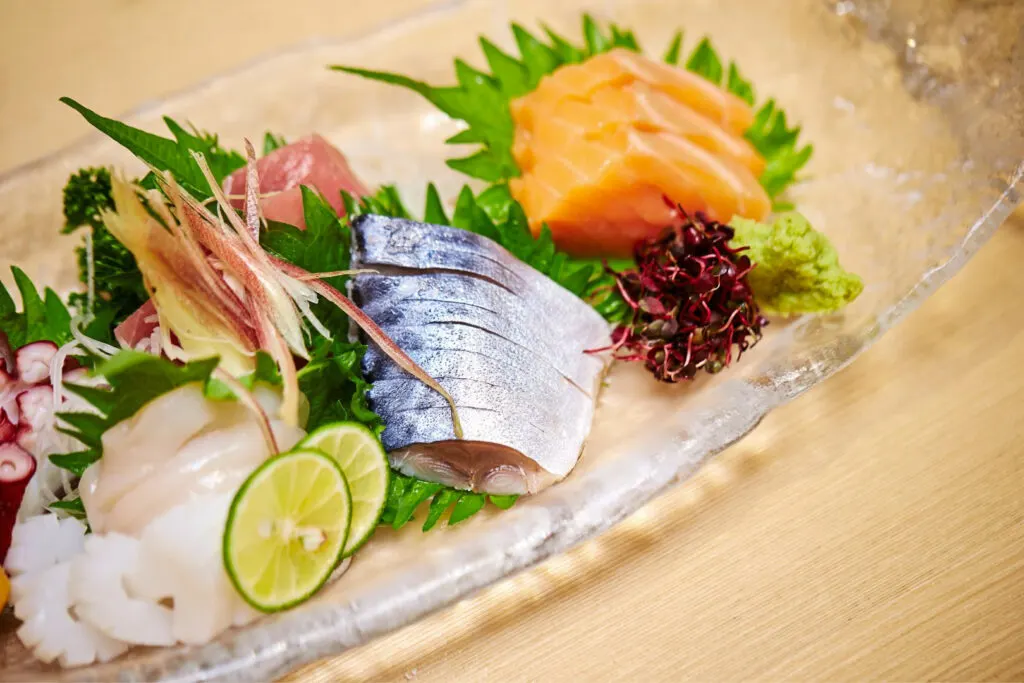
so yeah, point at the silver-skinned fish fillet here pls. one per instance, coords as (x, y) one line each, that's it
(506, 341)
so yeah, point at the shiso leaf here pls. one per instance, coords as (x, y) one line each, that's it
(467, 506)
(439, 505)
(174, 156)
(739, 86)
(482, 100)
(674, 49)
(434, 212)
(704, 62)
(43, 317)
(513, 77)
(272, 142)
(73, 506)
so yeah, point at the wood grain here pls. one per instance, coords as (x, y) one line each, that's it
(874, 528)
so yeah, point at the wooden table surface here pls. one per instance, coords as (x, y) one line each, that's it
(874, 528)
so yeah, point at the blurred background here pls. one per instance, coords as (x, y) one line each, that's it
(874, 528)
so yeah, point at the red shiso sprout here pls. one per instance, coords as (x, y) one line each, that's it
(691, 302)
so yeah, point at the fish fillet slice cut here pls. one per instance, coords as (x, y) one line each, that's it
(637, 105)
(507, 343)
(609, 148)
(621, 67)
(638, 170)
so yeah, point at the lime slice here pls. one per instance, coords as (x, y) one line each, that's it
(366, 468)
(286, 529)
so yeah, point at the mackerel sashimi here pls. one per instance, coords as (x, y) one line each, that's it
(508, 343)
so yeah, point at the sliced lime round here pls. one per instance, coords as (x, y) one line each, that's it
(286, 529)
(366, 468)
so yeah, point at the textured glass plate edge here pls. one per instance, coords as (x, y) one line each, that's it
(274, 648)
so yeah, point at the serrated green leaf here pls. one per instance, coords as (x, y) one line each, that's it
(737, 85)
(566, 52)
(503, 502)
(7, 307)
(467, 137)
(88, 427)
(42, 318)
(138, 378)
(413, 497)
(481, 165)
(597, 42)
(441, 502)
(221, 161)
(468, 505)
(465, 205)
(75, 463)
(538, 58)
(101, 399)
(153, 149)
(777, 143)
(31, 303)
(496, 201)
(272, 142)
(434, 210)
(73, 506)
(704, 62)
(266, 373)
(134, 380)
(513, 77)
(624, 38)
(674, 49)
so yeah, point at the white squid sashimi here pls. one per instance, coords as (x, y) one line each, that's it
(133, 448)
(42, 541)
(100, 597)
(181, 559)
(216, 461)
(48, 627)
(224, 445)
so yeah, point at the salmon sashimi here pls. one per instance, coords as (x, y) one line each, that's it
(311, 161)
(620, 67)
(609, 147)
(601, 194)
(637, 105)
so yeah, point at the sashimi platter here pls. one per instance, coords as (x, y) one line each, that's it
(269, 364)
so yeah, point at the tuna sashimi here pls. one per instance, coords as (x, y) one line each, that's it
(311, 161)
(137, 327)
(609, 148)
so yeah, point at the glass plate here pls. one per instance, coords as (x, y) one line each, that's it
(914, 107)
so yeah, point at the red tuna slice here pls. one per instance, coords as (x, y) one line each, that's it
(310, 161)
(138, 326)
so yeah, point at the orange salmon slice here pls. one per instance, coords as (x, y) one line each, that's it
(600, 194)
(610, 148)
